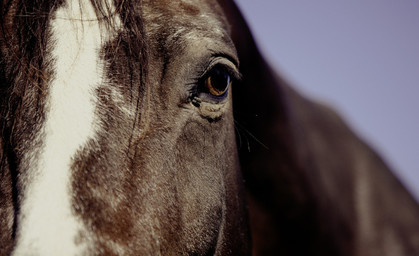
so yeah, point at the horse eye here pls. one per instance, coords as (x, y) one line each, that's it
(218, 82)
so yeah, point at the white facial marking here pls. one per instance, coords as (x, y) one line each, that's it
(47, 224)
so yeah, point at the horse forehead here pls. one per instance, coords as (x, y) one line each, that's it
(169, 17)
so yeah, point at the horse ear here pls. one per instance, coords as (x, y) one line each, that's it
(312, 186)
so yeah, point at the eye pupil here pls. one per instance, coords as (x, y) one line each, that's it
(218, 82)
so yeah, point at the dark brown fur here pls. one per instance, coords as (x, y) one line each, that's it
(313, 187)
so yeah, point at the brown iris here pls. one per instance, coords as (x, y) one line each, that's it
(218, 82)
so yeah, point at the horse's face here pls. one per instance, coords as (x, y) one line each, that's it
(118, 138)
(134, 149)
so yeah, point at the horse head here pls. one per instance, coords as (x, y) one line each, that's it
(157, 128)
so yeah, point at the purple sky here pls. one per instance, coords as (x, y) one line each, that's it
(360, 56)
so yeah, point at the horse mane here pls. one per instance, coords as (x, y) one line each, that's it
(24, 22)
(23, 47)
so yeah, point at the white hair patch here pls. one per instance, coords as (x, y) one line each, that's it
(47, 223)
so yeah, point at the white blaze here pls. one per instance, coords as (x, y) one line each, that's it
(47, 224)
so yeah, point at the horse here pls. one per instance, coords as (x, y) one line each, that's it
(157, 128)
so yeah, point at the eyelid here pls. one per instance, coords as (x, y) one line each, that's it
(225, 63)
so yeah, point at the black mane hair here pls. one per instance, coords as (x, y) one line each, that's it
(24, 32)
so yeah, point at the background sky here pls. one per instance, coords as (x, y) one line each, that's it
(361, 56)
